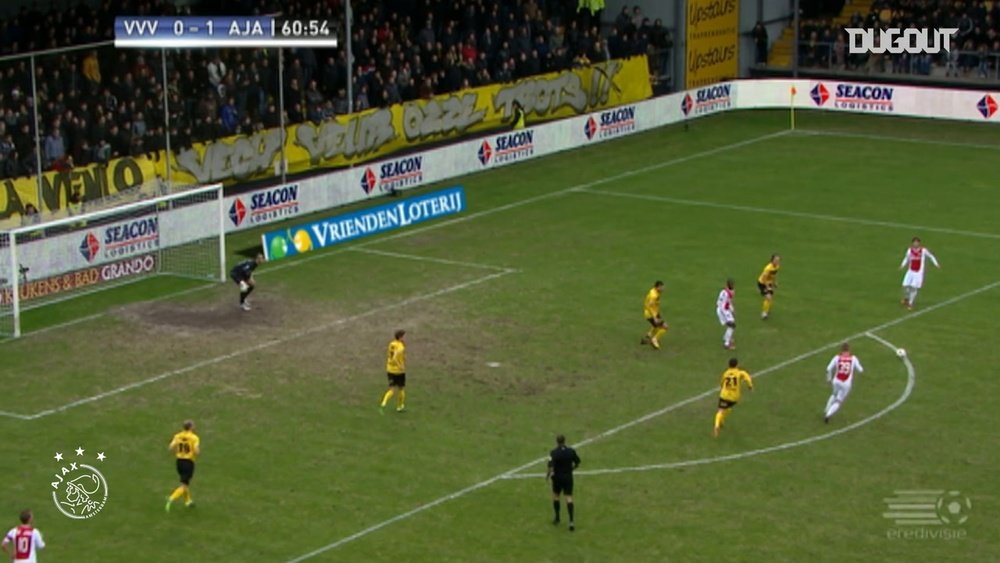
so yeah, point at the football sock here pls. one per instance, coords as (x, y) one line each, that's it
(243, 296)
(651, 332)
(728, 338)
(386, 396)
(719, 417)
(569, 510)
(178, 492)
(913, 296)
(187, 496)
(766, 308)
(833, 409)
(829, 403)
(401, 398)
(659, 332)
(555, 507)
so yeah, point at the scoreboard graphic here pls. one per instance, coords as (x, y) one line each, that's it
(222, 31)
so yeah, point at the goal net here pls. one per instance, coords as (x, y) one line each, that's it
(180, 234)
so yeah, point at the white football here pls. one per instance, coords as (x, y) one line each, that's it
(901, 352)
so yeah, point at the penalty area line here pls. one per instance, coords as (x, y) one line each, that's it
(512, 472)
(788, 213)
(911, 381)
(258, 347)
(433, 260)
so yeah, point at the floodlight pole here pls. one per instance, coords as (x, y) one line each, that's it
(281, 110)
(38, 136)
(795, 38)
(350, 63)
(166, 115)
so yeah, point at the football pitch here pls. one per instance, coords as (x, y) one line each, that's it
(523, 319)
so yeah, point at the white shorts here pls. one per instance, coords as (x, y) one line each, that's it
(841, 389)
(913, 279)
(725, 317)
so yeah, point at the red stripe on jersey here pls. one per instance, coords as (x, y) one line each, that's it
(23, 543)
(916, 258)
(845, 367)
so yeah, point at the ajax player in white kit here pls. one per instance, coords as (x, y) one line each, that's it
(26, 541)
(840, 372)
(915, 261)
(726, 311)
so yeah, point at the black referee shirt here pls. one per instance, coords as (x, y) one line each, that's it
(563, 460)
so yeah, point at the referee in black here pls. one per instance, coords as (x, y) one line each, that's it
(562, 461)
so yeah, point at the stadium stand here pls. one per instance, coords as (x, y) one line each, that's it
(975, 48)
(99, 103)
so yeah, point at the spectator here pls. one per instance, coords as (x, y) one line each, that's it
(759, 35)
(54, 147)
(229, 116)
(30, 215)
(216, 71)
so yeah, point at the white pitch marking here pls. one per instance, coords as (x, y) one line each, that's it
(911, 380)
(898, 139)
(508, 474)
(416, 230)
(258, 347)
(418, 258)
(787, 213)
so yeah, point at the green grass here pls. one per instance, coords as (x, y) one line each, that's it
(296, 455)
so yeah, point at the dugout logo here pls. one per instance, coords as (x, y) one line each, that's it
(266, 206)
(506, 148)
(393, 175)
(79, 490)
(611, 123)
(856, 97)
(708, 100)
(987, 106)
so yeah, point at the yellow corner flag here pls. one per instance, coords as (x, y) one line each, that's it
(791, 107)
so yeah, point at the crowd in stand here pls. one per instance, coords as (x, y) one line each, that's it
(96, 104)
(975, 47)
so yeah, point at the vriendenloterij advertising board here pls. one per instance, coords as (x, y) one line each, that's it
(342, 228)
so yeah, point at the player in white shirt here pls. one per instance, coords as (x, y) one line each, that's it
(914, 261)
(840, 372)
(725, 310)
(26, 539)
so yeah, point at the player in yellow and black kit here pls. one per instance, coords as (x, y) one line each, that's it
(731, 387)
(395, 368)
(651, 311)
(186, 446)
(766, 282)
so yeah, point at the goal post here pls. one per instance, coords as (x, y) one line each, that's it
(180, 234)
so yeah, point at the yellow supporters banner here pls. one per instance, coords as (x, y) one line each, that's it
(95, 181)
(713, 39)
(370, 135)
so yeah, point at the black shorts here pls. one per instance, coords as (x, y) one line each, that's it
(655, 321)
(185, 468)
(724, 404)
(765, 289)
(239, 278)
(562, 485)
(397, 380)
